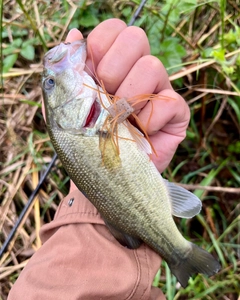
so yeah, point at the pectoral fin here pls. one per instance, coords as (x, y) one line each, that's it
(184, 203)
(139, 138)
(123, 238)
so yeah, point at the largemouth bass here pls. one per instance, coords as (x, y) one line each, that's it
(111, 166)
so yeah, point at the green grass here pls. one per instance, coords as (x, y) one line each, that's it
(199, 44)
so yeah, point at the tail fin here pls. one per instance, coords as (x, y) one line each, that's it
(197, 261)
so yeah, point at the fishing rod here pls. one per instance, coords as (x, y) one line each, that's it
(49, 167)
(137, 12)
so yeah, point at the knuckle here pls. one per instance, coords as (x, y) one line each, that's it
(151, 64)
(136, 34)
(106, 73)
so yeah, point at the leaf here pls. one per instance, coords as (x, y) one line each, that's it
(31, 103)
(187, 5)
(9, 61)
(207, 52)
(174, 9)
(154, 34)
(157, 278)
(28, 52)
(228, 70)
(238, 60)
(234, 148)
(230, 37)
(172, 54)
(219, 55)
(233, 36)
(190, 135)
(171, 11)
(17, 43)
(74, 24)
(127, 11)
(88, 19)
(235, 104)
(9, 50)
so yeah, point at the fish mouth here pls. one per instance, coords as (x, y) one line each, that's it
(93, 115)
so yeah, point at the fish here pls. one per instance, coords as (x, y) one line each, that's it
(109, 160)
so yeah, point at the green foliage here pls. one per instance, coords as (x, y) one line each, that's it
(229, 41)
(234, 148)
(232, 38)
(171, 54)
(19, 46)
(28, 50)
(9, 61)
(86, 16)
(235, 104)
(173, 9)
(160, 24)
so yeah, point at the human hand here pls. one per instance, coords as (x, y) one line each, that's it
(122, 60)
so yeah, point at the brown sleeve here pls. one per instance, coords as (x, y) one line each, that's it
(80, 259)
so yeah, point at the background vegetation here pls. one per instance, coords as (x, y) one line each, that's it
(199, 43)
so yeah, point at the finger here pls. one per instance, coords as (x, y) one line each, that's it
(101, 39)
(74, 35)
(170, 114)
(129, 46)
(147, 76)
(166, 122)
(165, 146)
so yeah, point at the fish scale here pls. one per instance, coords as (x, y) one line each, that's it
(91, 160)
(135, 202)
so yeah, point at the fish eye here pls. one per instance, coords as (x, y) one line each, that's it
(49, 83)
